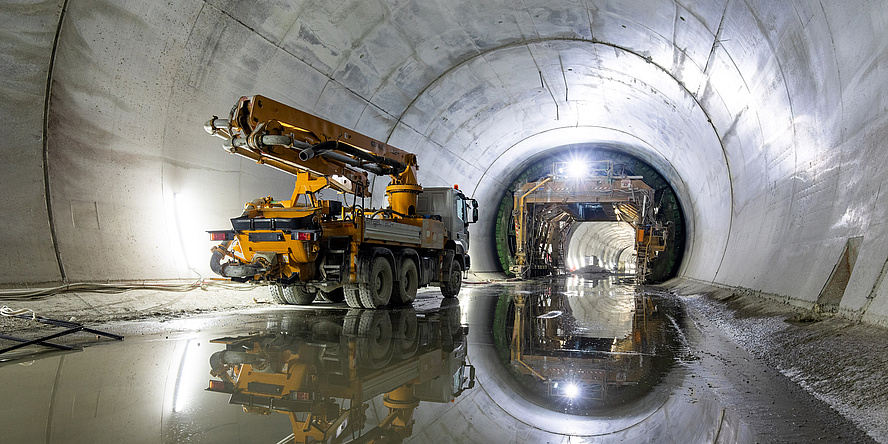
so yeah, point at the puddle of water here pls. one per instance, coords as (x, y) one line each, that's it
(536, 361)
(609, 346)
(308, 373)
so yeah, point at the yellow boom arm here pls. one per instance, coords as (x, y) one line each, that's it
(294, 141)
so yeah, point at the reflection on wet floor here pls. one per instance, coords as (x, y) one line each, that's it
(320, 369)
(585, 347)
(546, 360)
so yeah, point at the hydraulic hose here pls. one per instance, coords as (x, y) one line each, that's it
(334, 145)
(216, 262)
(220, 359)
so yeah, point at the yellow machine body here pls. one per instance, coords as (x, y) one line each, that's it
(307, 244)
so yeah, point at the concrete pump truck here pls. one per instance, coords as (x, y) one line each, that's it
(307, 247)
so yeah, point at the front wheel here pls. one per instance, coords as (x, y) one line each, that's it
(453, 280)
(352, 294)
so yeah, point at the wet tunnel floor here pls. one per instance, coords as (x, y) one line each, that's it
(553, 360)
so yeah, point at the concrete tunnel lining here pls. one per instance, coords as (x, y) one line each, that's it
(788, 169)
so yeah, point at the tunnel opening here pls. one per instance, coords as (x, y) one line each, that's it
(601, 245)
(547, 232)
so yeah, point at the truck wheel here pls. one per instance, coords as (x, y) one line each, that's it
(277, 294)
(352, 295)
(405, 331)
(374, 343)
(451, 328)
(335, 296)
(351, 321)
(454, 281)
(297, 295)
(378, 291)
(407, 283)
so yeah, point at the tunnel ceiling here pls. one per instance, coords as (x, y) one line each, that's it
(746, 107)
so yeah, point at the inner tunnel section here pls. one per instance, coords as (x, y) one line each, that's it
(589, 208)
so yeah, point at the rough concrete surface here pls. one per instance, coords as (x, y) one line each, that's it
(90, 308)
(839, 361)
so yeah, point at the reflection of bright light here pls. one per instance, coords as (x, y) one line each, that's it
(189, 373)
(571, 390)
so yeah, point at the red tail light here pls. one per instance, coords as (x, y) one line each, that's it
(304, 235)
(221, 235)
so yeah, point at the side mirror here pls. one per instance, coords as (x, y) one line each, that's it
(474, 210)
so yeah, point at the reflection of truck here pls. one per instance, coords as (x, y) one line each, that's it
(324, 368)
(306, 246)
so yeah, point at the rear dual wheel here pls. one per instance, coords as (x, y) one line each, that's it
(375, 343)
(382, 288)
(291, 294)
(352, 293)
(378, 292)
(407, 284)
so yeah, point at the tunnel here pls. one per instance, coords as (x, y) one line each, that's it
(765, 120)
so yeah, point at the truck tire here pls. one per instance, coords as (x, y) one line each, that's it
(277, 294)
(451, 326)
(351, 321)
(336, 296)
(378, 292)
(352, 294)
(405, 333)
(407, 283)
(374, 342)
(453, 280)
(297, 295)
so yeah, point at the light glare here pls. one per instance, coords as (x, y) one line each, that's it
(571, 390)
(577, 169)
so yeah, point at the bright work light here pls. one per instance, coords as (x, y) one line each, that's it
(577, 169)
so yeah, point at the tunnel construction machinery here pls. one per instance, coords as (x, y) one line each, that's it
(581, 192)
(307, 247)
(323, 370)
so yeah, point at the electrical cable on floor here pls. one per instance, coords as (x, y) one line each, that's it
(27, 294)
(11, 312)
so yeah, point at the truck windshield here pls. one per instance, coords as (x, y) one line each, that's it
(461, 209)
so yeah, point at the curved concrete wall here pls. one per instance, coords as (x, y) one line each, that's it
(767, 117)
